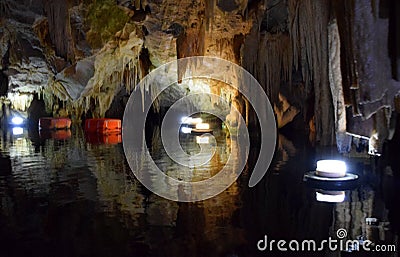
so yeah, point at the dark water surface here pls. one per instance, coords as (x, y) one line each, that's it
(70, 195)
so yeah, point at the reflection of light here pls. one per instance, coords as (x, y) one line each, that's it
(331, 168)
(202, 140)
(330, 196)
(203, 126)
(186, 130)
(190, 120)
(371, 221)
(18, 131)
(17, 120)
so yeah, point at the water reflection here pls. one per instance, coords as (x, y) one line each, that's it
(73, 197)
(330, 196)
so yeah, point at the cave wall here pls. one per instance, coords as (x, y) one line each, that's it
(369, 82)
(329, 67)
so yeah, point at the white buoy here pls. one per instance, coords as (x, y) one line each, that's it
(331, 168)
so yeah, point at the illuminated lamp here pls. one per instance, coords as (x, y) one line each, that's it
(202, 126)
(331, 168)
(190, 120)
(17, 120)
(186, 130)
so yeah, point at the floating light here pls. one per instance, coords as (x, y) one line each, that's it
(17, 120)
(330, 196)
(202, 140)
(202, 126)
(331, 168)
(190, 120)
(17, 131)
(186, 130)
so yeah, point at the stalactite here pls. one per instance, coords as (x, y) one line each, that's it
(4, 8)
(110, 68)
(224, 48)
(48, 98)
(301, 22)
(210, 9)
(138, 4)
(279, 49)
(308, 23)
(343, 140)
(59, 23)
(115, 66)
(273, 61)
(344, 10)
(188, 44)
(20, 101)
(335, 78)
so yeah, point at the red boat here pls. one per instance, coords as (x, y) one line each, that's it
(49, 123)
(103, 126)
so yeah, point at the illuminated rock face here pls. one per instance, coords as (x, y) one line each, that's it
(325, 72)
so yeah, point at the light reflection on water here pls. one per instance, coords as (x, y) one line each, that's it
(72, 198)
(217, 143)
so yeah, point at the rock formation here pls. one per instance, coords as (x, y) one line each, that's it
(331, 66)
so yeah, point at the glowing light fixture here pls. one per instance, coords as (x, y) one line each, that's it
(202, 126)
(186, 130)
(17, 131)
(17, 120)
(331, 168)
(202, 140)
(190, 120)
(330, 196)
